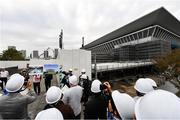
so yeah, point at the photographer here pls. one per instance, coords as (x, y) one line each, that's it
(14, 105)
(96, 107)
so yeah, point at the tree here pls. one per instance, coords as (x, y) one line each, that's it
(169, 66)
(11, 54)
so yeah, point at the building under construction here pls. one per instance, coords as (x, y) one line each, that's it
(148, 37)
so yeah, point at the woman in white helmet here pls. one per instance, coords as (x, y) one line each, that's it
(14, 105)
(158, 105)
(49, 114)
(142, 87)
(54, 97)
(73, 96)
(96, 106)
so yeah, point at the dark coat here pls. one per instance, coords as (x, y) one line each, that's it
(96, 108)
(66, 110)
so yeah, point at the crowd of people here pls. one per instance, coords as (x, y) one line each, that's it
(98, 99)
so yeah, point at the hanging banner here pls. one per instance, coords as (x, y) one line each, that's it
(52, 68)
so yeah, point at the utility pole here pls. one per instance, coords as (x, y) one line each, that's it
(82, 42)
(61, 39)
(95, 66)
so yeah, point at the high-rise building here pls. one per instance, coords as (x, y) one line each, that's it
(12, 47)
(35, 54)
(55, 53)
(23, 52)
(46, 54)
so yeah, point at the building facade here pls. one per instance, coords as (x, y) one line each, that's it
(148, 37)
(35, 54)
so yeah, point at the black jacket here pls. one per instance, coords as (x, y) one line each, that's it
(96, 107)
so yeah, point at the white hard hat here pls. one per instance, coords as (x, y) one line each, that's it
(15, 75)
(83, 70)
(53, 95)
(83, 76)
(70, 69)
(95, 86)
(143, 86)
(124, 104)
(49, 114)
(73, 80)
(153, 83)
(158, 104)
(15, 83)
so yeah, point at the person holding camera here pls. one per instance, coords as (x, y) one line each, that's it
(14, 105)
(96, 107)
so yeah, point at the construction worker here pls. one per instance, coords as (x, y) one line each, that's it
(49, 114)
(158, 105)
(142, 87)
(54, 100)
(96, 106)
(14, 105)
(73, 96)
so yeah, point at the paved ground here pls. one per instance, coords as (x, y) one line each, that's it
(39, 104)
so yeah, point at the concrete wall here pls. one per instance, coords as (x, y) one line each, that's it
(75, 59)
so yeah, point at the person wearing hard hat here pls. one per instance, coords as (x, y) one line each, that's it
(153, 83)
(96, 106)
(142, 87)
(73, 96)
(158, 105)
(124, 105)
(14, 105)
(86, 84)
(70, 72)
(83, 73)
(49, 114)
(54, 97)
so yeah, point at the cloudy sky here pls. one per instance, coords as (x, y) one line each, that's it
(36, 24)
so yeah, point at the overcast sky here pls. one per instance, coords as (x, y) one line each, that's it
(36, 24)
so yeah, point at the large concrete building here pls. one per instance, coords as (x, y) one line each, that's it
(35, 54)
(148, 37)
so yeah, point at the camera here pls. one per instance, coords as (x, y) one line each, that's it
(102, 87)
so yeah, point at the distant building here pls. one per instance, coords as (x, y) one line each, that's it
(35, 54)
(55, 53)
(12, 47)
(46, 54)
(23, 52)
(148, 37)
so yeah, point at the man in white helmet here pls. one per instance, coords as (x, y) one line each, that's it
(14, 105)
(86, 84)
(142, 87)
(54, 97)
(49, 114)
(96, 107)
(73, 96)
